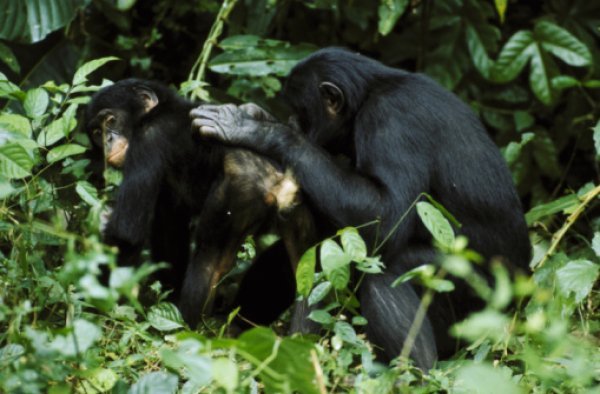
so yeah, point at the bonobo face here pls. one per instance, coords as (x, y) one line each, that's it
(110, 129)
(319, 106)
(114, 113)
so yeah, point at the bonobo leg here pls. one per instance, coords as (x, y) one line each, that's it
(390, 311)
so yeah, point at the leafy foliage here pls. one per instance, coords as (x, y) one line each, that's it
(529, 69)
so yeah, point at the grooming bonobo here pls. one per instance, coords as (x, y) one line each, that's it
(178, 187)
(403, 135)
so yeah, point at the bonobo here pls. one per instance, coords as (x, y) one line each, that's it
(403, 134)
(177, 188)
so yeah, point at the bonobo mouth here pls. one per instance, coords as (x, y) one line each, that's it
(118, 151)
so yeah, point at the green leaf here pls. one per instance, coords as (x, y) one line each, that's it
(82, 336)
(36, 102)
(45, 16)
(225, 373)
(546, 154)
(539, 76)
(155, 383)
(60, 152)
(479, 55)
(596, 135)
(196, 367)
(512, 151)
(56, 131)
(13, 21)
(305, 272)
(321, 316)
(346, 332)
(16, 124)
(258, 58)
(99, 380)
(436, 223)
(484, 324)
(15, 162)
(285, 363)
(165, 317)
(472, 378)
(8, 57)
(563, 82)
(88, 193)
(353, 244)
(513, 57)
(562, 44)
(596, 244)
(501, 6)
(89, 67)
(577, 277)
(389, 13)
(335, 264)
(559, 205)
(319, 292)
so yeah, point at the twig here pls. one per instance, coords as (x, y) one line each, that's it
(558, 236)
(318, 371)
(198, 71)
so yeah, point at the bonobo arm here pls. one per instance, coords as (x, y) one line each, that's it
(382, 185)
(131, 219)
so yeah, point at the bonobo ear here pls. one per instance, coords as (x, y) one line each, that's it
(147, 96)
(332, 96)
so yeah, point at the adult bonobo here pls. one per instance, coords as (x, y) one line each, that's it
(403, 134)
(178, 188)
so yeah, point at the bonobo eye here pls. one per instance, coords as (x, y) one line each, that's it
(110, 121)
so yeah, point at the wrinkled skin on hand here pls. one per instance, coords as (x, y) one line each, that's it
(232, 124)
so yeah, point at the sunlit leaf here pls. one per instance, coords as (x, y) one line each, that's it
(36, 102)
(62, 151)
(89, 67)
(353, 244)
(15, 162)
(155, 383)
(335, 263)
(389, 13)
(165, 317)
(439, 227)
(562, 44)
(305, 272)
(577, 277)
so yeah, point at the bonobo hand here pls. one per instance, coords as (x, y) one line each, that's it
(229, 123)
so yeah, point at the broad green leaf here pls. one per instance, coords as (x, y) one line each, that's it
(8, 57)
(389, 13)
(88, 193)
(225, 373)
(335, 264)
(13, 21)
(89, 67)
(577, 277)
(596, 244)
(346, 332)
(165, 317)
(539, 78)
(45, 16)
(15, 162)
(9, 89)
(562, 44)
(16, 124)
(596, 136)
(305, 272)
(479, 55)
(155, 383)
(564, 81)
(62, 151)
(321, 316)
(99, 380)
(36, 102)
(285, 363)
(260, 60)
(52, 133)
(485, 324)
(480, 378)
(512, 151)
(513, 57)
(82, 336)
(194, 366)
(319, 292)
(359, 321)
(436, 223)
(559, 205)
(353, 244)
(503, 290)
(423, 272)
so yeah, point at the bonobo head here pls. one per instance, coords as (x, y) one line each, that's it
(115, 111)
(325, 91)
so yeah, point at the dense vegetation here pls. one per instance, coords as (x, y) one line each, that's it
(528, 68)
